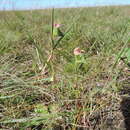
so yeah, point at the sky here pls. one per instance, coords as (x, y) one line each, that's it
(41, 4)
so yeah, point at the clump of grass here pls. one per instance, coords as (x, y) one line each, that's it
(44, 85)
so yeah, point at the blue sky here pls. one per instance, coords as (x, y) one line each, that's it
(38, 4)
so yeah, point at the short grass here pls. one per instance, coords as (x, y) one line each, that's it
(67, 94)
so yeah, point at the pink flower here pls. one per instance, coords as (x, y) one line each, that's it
(78, 51)
(57, 25)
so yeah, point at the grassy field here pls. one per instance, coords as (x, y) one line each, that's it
(45, 85)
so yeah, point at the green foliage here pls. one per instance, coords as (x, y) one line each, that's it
(127, 54)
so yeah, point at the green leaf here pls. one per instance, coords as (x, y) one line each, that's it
(128, 54)
(40, 108)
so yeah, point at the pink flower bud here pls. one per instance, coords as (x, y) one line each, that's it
(57, 25)
(78, 51)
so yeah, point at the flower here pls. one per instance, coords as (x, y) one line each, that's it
(56, 25)
(57, 31)
(78, 51)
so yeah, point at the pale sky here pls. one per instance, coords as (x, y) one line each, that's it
(39, 4)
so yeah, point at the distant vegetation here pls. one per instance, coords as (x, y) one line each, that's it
(68, 76)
